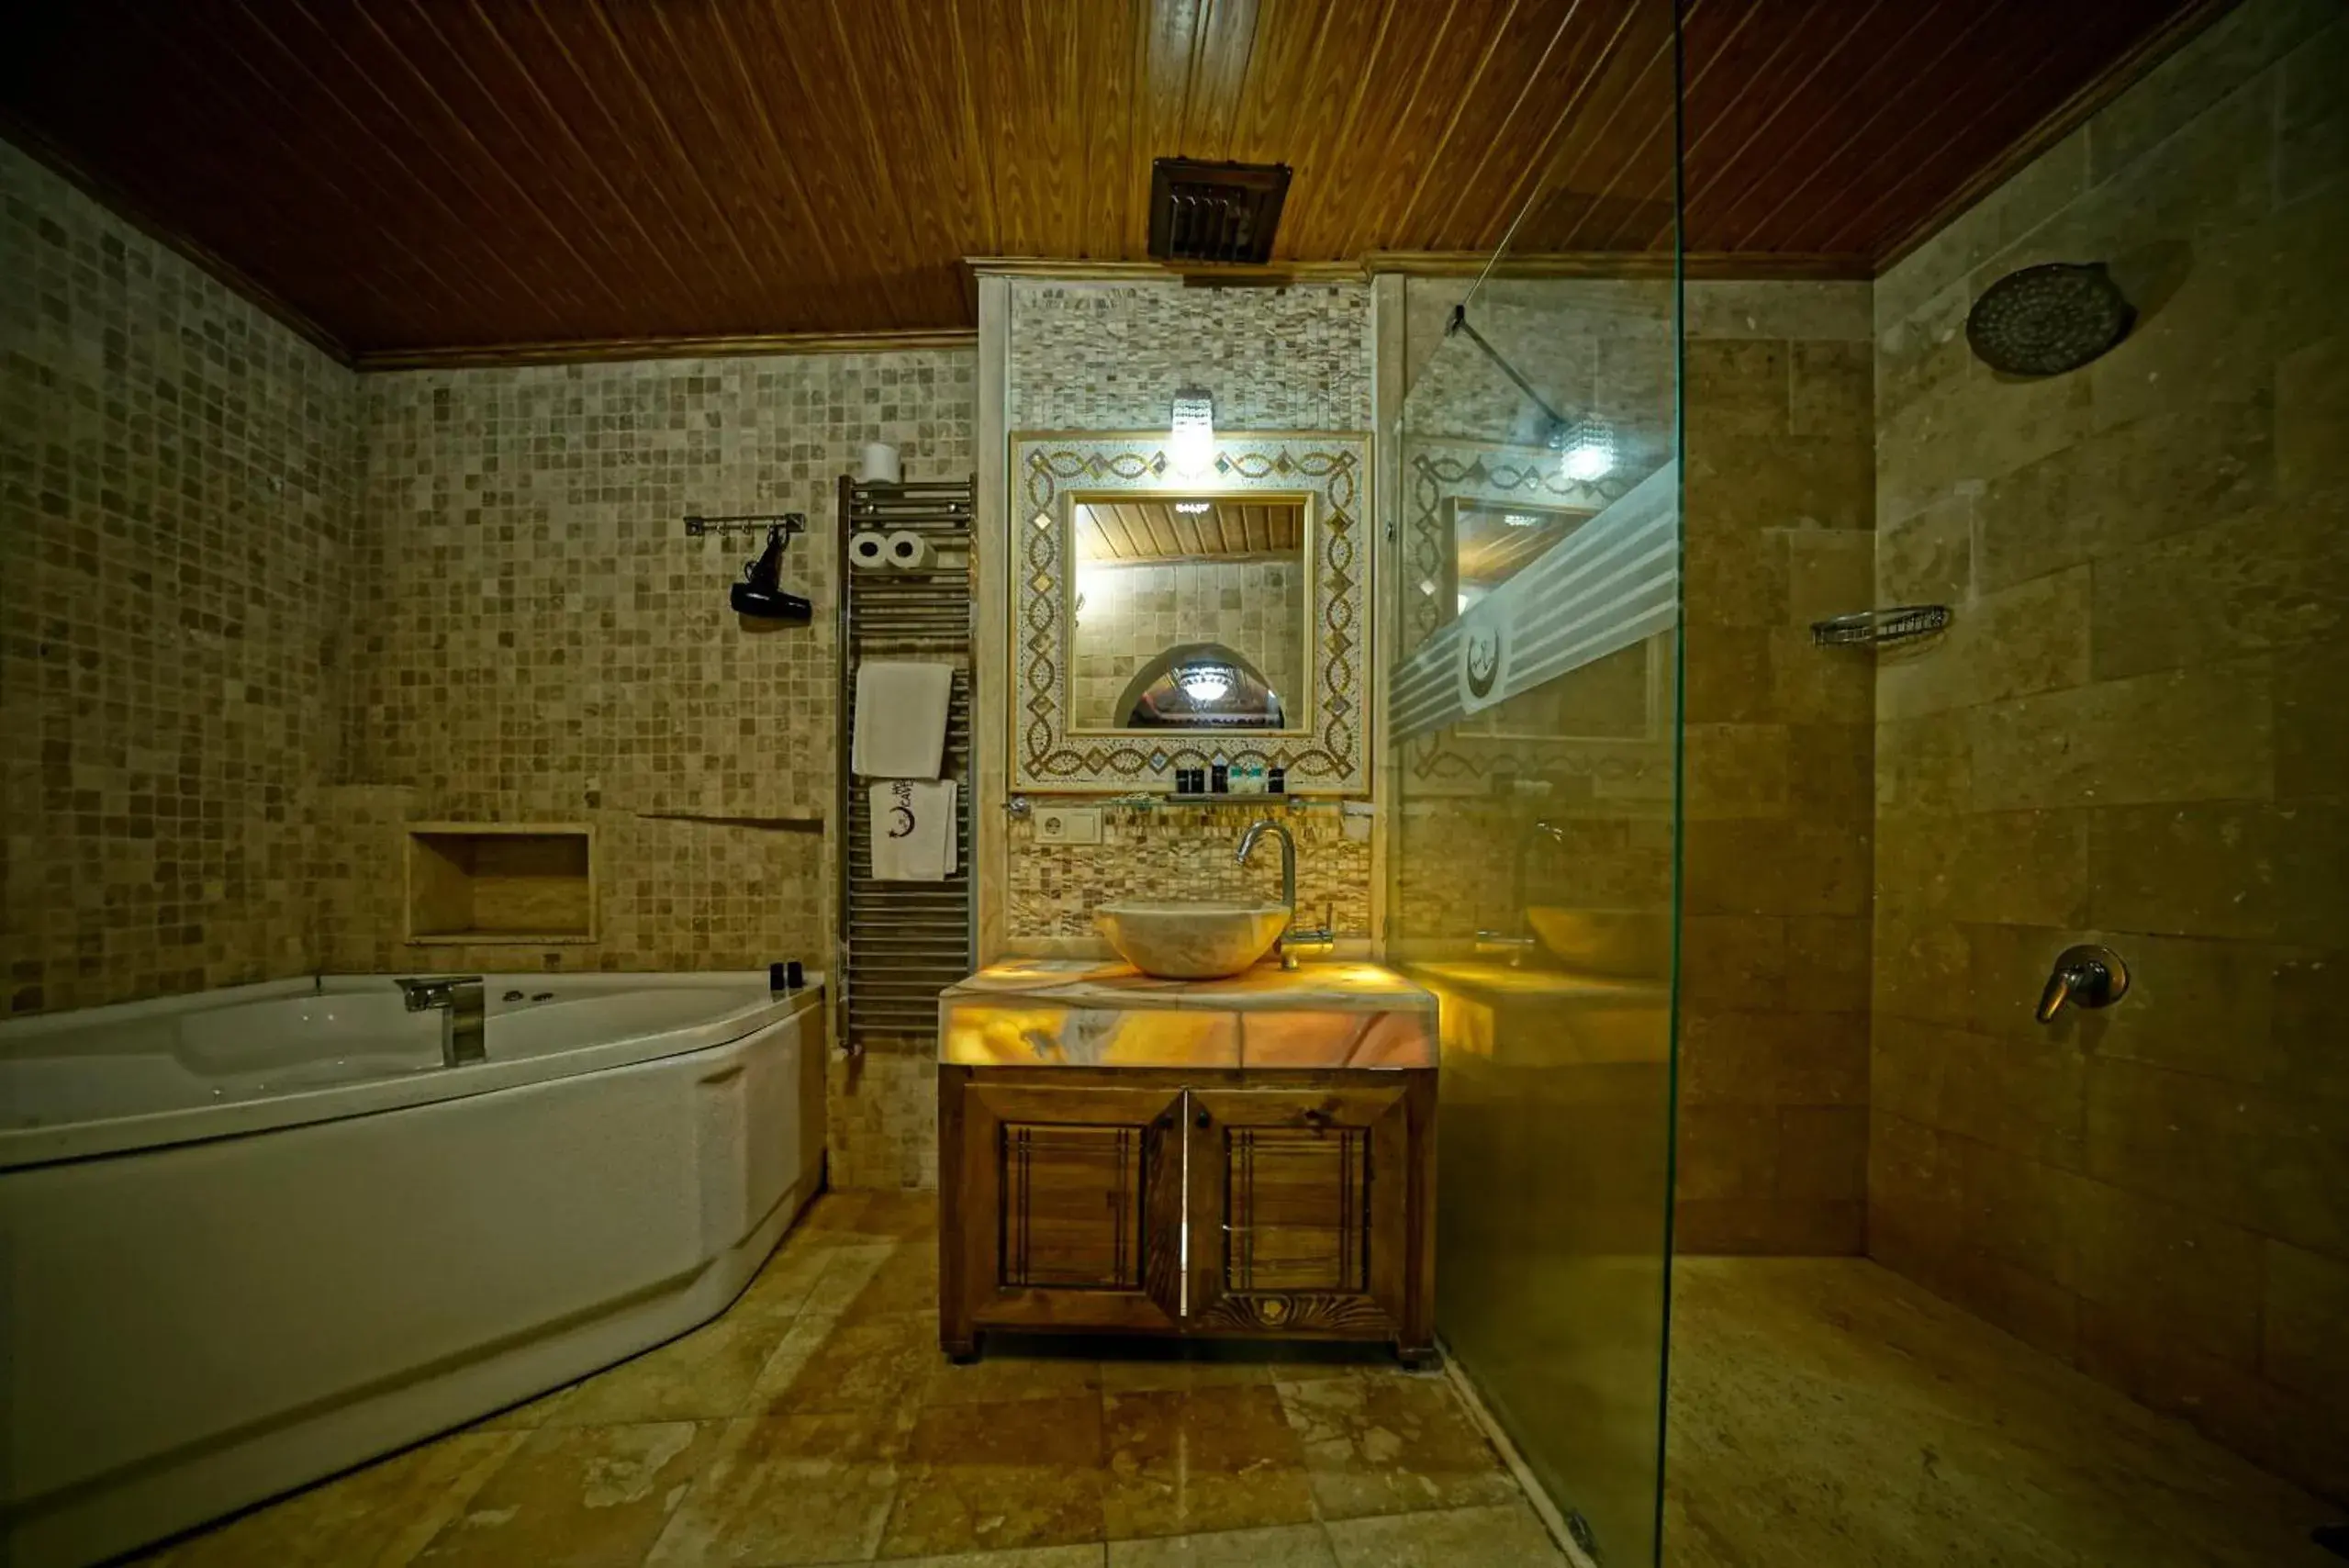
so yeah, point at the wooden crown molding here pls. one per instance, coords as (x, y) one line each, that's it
(590, 351)
(2066, 117)
(1756, 266)
(1076, 270)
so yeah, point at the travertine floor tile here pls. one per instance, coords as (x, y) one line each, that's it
(789, 1489)
(1504, 1535)
(1826, 1413)
(1061, 1368)
(707, 1373)
(1087, 1556)
(848, 1363)
(1392, 1445)
(1209, 1459)
(380, 1517)
(1023, 1473)
(1285, 1546)
(581, 1496)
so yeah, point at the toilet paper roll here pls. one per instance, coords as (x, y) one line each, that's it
(869, 550)
(908, 552)
(881, 465)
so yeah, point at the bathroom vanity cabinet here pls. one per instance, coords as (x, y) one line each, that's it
(1114, 1158)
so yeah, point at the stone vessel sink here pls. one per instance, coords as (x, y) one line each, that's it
(1192, 941)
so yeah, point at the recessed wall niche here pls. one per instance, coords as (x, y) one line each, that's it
(476, 883)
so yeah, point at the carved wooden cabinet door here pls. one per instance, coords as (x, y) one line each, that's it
(1306, 1205)
(1071, 1204)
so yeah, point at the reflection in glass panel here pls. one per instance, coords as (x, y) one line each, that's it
(1534, 721)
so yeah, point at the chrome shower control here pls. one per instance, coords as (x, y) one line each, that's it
(2084, 976)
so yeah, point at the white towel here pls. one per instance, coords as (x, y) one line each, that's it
(913, 831)
(901, 718)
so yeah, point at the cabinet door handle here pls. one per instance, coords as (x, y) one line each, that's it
(1317, 1119)
(1205, 1122)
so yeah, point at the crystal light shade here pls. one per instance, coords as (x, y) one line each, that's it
(1190, 438)
(1588, 450)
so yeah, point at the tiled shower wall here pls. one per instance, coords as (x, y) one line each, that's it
(175, 581)
(1109, 356)
(2132, 734)
(1776, 771)
(541, 640)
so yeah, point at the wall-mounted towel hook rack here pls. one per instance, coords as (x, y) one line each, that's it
(696, 525)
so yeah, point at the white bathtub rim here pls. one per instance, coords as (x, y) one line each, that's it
(25, 1147)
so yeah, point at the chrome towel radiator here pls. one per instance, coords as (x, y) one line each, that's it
(900, 943)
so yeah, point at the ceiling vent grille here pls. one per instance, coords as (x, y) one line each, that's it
(1215, 212)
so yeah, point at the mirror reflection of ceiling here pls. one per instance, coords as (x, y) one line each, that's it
(399, 175)
(1492, 544)
(1125, 532)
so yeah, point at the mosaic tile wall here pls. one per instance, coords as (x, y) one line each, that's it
(1186, 851)
(2132, 734)
(175, 572)
(1107, 356)
(546, 643)
(1132, 614)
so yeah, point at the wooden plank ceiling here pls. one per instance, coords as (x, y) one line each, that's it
(1127, 533)
(428, 174)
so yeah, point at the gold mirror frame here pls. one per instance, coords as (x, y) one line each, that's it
(1308, 537)
(1328, 471)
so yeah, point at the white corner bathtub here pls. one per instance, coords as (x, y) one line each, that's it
(253, 1236)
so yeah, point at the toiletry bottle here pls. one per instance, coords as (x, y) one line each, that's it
(1219, 778)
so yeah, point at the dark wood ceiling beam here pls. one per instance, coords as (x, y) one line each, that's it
(411, 201)
(1869, 102)
(436, 135)
(1842, 71)
(418, 176)
(1728, 58)
(410, 35)
(1499, 211)
(1531, 101)
(1921, 154)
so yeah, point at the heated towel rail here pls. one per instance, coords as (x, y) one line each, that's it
(902, 943)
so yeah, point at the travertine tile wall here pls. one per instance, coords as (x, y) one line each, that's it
(1776, 772)
(1132, 614)
(1110, 356)
(175, 577)
(540, 640)
(2132, 734)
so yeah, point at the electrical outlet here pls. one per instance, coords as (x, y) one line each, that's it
(1068, 824)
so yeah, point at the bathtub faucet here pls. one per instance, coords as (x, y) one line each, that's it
(462, 1008)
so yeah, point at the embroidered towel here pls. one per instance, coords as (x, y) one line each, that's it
(913, 831)
(901, 718)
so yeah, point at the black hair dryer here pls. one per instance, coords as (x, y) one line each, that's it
(760, 593)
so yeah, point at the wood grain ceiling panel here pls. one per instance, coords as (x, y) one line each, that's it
(410, 174)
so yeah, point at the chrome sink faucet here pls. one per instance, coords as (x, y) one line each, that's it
(1537, 833)
(1291, 937)
(464, 1009)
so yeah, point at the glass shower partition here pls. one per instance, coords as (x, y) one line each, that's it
(1533, 778)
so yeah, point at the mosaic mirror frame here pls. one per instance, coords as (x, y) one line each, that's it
(1051, 471)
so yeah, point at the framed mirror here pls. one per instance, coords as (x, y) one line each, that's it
(1191, 612)
(1165, 618)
